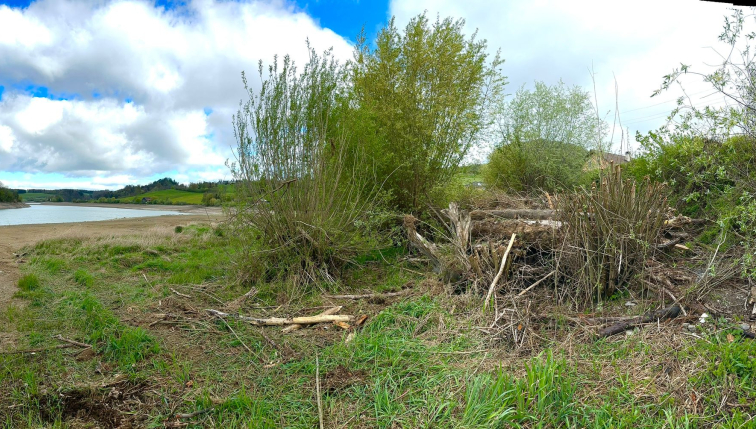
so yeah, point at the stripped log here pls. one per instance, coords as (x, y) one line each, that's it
(650, 317)
(280, 321)
(328, 312)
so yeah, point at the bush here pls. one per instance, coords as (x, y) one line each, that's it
(609, 232)
(28, 282)
(535, 165)
(178, 229)
(300, 206)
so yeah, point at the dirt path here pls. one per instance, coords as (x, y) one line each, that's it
(14, 238)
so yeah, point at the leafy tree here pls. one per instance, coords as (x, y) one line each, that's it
(7, 195)
(421, 99)
(544, 136)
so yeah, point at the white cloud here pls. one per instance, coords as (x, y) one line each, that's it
(137, 79)
(7, 138)
(638, 42)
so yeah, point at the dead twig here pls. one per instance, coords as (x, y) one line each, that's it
(501, 271)
(180, 294)
(524, 291)
(75, 343)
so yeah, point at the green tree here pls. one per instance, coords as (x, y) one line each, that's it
(7, 195)
(421, 99)
(544, 136)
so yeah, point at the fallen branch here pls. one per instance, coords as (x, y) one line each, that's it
(180, 294)
(75, 343)
(368, 295)
(328, 312)
(513, 214)
(68, 343)
(536, 283)
(501, 271)
(650, 317)
(280, 321)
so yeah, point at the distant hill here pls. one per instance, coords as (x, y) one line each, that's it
(163, 191)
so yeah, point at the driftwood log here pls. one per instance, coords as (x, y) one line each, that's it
(650, 317)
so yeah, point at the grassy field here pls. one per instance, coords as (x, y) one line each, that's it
(174, 196)
(426, 358)
(36, 197)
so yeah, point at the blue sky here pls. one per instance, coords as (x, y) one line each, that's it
(107, 93)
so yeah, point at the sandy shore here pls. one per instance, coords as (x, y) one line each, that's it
(4, 206)
(14, 238)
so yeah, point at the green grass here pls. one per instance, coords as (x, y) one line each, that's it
(418, 362)
(174, 196)
(28, 282)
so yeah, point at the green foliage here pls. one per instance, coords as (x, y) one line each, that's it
(708, 177)
(8, 196)
(299, 205)
(544, 137)
(28, 282)
(422, 97)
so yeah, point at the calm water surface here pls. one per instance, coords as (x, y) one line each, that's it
(39, 213)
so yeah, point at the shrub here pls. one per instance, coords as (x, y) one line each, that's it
(28, 282)
(609, 232)
(299, 206)
(544, 136)
(535, 165)
(178, 229)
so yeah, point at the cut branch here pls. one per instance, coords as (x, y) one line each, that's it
(328, 312)
(280, 321)
(650, 317)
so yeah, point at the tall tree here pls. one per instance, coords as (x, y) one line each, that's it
(544, 135)
(421, 96)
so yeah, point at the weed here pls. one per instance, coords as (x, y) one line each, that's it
(28, 282)
(83, 278)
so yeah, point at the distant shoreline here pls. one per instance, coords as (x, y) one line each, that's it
(4, 206)
(189, 209)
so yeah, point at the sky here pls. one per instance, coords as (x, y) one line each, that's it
(100, 94)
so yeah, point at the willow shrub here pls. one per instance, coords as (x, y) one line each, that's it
(303, 198)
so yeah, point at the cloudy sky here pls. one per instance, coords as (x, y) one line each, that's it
(99, 94)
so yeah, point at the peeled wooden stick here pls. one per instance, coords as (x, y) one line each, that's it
(280, 321)
(536, 283)
(328, 312)
(501, 271)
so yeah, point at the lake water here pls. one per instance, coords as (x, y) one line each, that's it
(43, 213)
